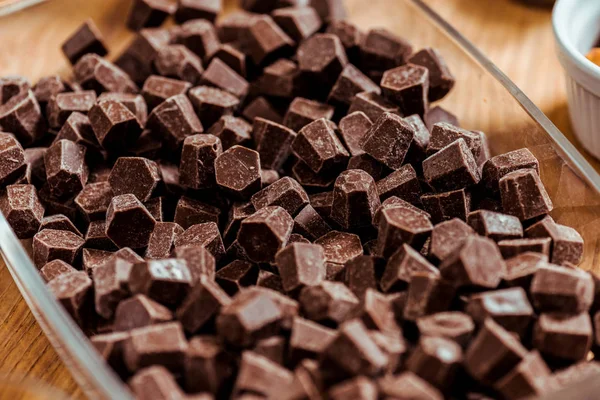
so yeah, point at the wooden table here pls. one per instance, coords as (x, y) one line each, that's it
(518, 39)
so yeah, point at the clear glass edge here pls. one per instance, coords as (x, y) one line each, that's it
(78, 346)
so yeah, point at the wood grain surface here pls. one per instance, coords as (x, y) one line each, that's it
(517, 38)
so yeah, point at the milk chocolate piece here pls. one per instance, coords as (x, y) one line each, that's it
(496, 167)
(514, 247)
(155, 382)
(86, 39)
(62, 105)
(55, 269)
(59, 222)
(322, 57)
(174, 120)
(199, 36)
(401, 225)
(286, 193)
(115, 126)
(22, 116)
(436, 359)
(493, 353)
(281, 79)
(567, 244)
(523, 194)
(402, 183)
(207, 365)
(310, 224)
(139, 311)
(409, 385)
(447, 236)
(12, 159)
(355, 199)
(158, 89)
(159, 344)
(206, 235)
(527, 379)
(477, 262)
(388, 140)
(353, 128)
(236, 275)
(354, 352)
(166, 281)
(221, 76)
(563, 336)
(373, 105)
(319, 147)
(302, 112)
(190, 212)
(237, 171)
(22, 209)
(401, 265)
(363, 273)
(111, 284)
(298, 22)
(451, 168)
(11, 86)
(448, 205)
(137, 59)
(201, 305)
(95, 73)
(134, 102)
(265, 41)
(162, 240)
(260, 107)
(340, 247)
(452, 325)
(407, 86)
(231, 131)
(95, 236)
(561, 289)
(441, 80)
(264, 233)
(199, 260)
(251, 316)
(381, 50)
(198, 9)
(149, 13)
(258, 374)
(128, 222)
(273, 142)
(74, 292)
(494, 225)
(349, 83)
(510, 308)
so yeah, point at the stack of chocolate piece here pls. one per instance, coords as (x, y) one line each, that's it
(271, 207)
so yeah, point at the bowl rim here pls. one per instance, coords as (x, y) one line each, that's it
(587, 71)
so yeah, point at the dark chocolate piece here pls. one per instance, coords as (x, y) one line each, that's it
(340, 247)
(149, 13)
(382, 50)
(355, 199)
(561, 289)
(563, 336)
(51, 244)
(265, 232)
(448, 205)
(310, 224)
(199, 260)
(221, 76)
(158, 88)
(451, 168)
(198, 9)
(302, 112)
(441, 80)
(93, 201)
(62, 105)
(128, 222)
(527, 379)
(281, 79)
(353, 128)
(207, 365)
(373, 105)
(111, 284)
(349, 83)
(95, 73)
(319, 147)
(155, 382)
(22, 116)
(201, 306)
(363, 273)
(388, 140)
(22, 209)
(427, 294)
(401, 265)
(197, 165)
(55, 269)
(236, 275)
(567, 243)
(285, 192)
(137, 59)
(114, 125)
(496, 167)
(162, 240)
(258, 374)
(191, 212)
(322, 57)
(403, 184)
(59, 222)
(447, 236)
(166, 281)
(134, 102)
(514, 247)
(407, 86)
(401, 225)
(134, 175)
(298, 22)
(231, 130)
(237, 171)
(300, 265)
(86, 39)
(179, 62)
(452, 325)
(265, 40)
(407, 384)
(206, 235)
(174, 120)
(260, 107)
(74, 292)
(231, 54)
(273, 142)
(436, 359)
(494, 225)
(12, 159)
(95, 236)
(11, 86)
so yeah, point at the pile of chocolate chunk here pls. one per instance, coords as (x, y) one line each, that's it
(270, 207)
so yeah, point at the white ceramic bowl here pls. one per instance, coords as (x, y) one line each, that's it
(576, 26)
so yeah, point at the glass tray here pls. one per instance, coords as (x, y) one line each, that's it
(483, 98)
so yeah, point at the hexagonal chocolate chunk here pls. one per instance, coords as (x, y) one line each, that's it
(222, 76)
(134, 175)
(212, 103)
(66, 170)
(22, 209)
(139, 311)
(355, 199)
(401, 265)
(302, 112)
(448, 236)
(340, 247)
(319, 147)
(495, 225)
(178, 62)
(190, 212)
(199, 36)
(55, 269)
(328, 302)
(567, 243)
(12, 159)
(51, 244)
(100, 75)
(162, 240)
(22, 116)
(59, 222)
(198, 259)
(236, 275)
(285, 192)
(401, 225)
(231, 130)
(13, 85)
(206, 235)
(563, 336)
(197, 165)
(115, 126)
(441, 80)
(237, 171)
(388, 140)
(93, 201)
(561, 289)
(523, 194)
(149, 13)
(174, 120)
(128, 222)
(265, 232)
(451, 168)
(407, 86)
(62, 105)
(166, 281)
(202, 305)
(496, 167)
(436, 360)
(300, 265)
(322, 57)
(74, 291)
